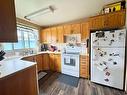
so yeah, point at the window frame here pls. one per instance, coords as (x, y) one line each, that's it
(32, 30)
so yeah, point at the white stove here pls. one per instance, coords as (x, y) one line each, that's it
(70, 60)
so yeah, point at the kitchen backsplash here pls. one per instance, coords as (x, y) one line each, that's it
(60, 46)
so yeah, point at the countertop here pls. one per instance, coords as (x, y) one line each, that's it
(43, 52)
(48, 52)
(8, 67)
(14, 64)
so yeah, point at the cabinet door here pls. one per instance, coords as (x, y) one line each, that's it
(54, 34)
(39, 62)
(57, 61)
(60, 32)
(8, 32)
(75, 28)
(52, 62)
(49, 35)
(110, 20)
(85, 31)
(115, 19)
(96, 22)
(84, 66)
(44, 35)
(45, 61)
(67, 29)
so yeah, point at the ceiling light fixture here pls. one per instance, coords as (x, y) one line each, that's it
(40, 12)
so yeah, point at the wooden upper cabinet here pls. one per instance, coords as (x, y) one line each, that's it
(115, 20)
(67, 29)
(44, 35)
(108, 21)
(85, 31)
(8, 31)
(60, 33)
(54, 34)
(76, 28)
(96, 22)
(49, 35)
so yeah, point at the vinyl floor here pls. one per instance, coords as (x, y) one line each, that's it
(50, 85)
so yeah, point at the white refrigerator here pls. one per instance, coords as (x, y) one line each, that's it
(107, 61)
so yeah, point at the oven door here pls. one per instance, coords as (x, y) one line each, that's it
(70, 62)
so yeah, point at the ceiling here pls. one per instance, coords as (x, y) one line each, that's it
(66, 10)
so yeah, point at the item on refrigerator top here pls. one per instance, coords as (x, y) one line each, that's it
(108, 58)
(114, 7)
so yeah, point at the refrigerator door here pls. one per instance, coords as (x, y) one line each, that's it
(107, 60)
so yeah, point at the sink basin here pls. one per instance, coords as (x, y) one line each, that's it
(12, 58)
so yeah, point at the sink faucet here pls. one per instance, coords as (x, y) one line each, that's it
(28, 51)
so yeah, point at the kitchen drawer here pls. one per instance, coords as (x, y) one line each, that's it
(84, 56)
(84, 65)
(84, 62)
(84, 74)
(84, 68)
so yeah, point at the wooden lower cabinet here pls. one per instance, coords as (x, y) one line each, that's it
(57, 61)
(84, 66)
(23, 82)
(52, 62)
(38, 59)
(45, 61)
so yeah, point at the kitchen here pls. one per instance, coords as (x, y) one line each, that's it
(60, 48)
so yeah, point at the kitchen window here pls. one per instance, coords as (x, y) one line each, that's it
(27, 38)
